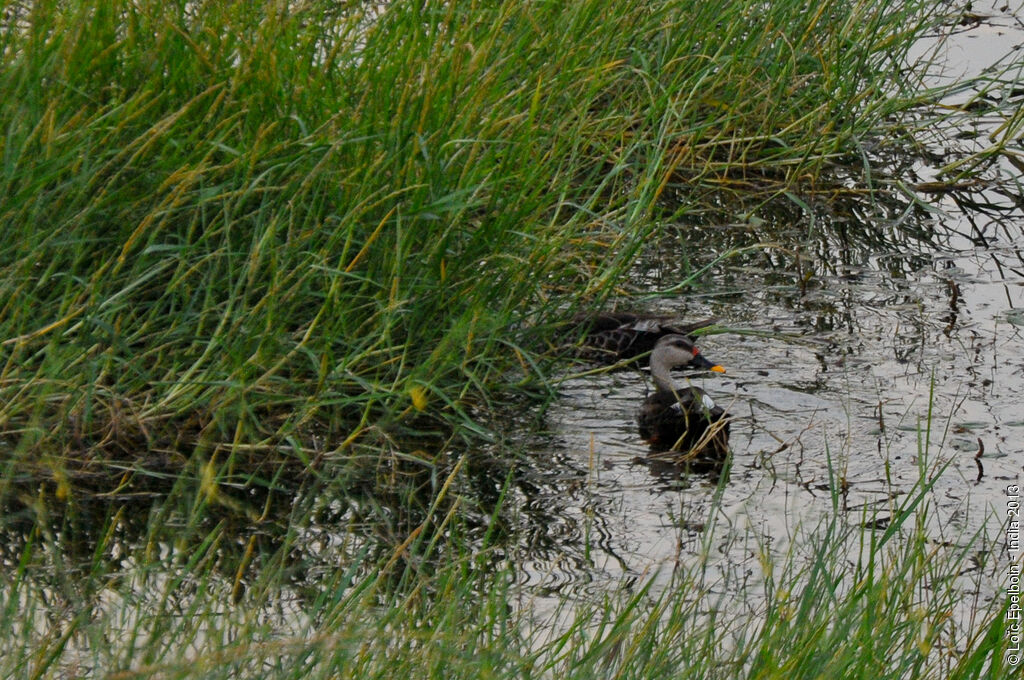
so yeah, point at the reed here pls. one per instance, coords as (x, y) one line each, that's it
(866, 594)
(261, 258)
(245, 229)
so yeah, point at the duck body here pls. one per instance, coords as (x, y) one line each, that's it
(682, 419)
(611, 337)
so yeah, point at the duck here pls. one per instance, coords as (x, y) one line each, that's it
(613, 337)
(683, 420)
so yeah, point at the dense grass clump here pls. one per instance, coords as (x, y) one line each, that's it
(237, 226)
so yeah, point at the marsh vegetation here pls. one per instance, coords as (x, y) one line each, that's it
(278, 284)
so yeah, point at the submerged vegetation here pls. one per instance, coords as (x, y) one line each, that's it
(259, 254)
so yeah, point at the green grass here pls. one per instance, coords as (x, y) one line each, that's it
(232, 228)
(848, 598)
(261, 257)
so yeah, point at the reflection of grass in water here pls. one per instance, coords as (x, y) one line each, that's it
(843, 600)
(854, 596)
(270, 247)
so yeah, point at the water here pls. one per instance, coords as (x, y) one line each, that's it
(878, 318)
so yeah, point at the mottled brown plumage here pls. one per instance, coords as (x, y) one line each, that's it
(611, 337)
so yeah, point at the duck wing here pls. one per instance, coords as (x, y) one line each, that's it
(610, 337)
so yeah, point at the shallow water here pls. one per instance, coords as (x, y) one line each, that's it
(874, 316)
(845, 378)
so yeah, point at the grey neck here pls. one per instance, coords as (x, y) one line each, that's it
(661, 373)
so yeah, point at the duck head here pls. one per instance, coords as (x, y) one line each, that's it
(677, 350)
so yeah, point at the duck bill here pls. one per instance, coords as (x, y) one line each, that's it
(700, 362)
